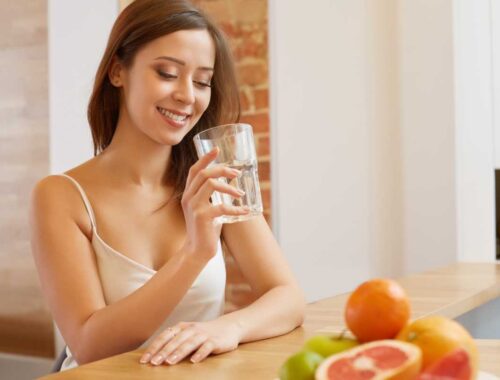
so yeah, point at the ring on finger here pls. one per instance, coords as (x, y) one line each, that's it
(172, 331)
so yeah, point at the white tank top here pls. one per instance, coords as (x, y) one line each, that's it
(121, 276)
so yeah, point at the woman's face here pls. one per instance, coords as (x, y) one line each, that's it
(167, 87)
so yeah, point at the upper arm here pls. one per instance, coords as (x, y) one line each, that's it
(64, 256)
(258, 254)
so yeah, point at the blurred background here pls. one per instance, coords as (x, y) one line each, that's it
(377, 126)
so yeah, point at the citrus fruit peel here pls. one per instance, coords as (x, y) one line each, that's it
(385, 359)
(377, 309)
(438, 336)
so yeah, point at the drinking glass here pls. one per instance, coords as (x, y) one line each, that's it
(236, 150)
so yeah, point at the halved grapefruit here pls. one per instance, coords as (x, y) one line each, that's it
(454, 366)
(438, 336)
(379, 360)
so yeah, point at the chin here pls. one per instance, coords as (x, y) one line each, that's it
(171, 140)
(168, 137)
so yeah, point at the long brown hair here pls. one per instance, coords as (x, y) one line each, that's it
(141, 22)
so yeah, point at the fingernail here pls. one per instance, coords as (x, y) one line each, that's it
(195, 359)
(145, 358)
(172, 359)
(157, 359)
(236, 172)
(240, 192)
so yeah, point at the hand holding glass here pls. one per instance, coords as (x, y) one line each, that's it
(237, 151)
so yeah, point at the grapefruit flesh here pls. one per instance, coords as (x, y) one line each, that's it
(454, 366)
(386, 359)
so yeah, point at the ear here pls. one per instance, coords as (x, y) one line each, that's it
(116, 72)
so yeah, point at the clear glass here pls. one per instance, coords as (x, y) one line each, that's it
(236, 150)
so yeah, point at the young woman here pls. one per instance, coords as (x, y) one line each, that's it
(125, 244)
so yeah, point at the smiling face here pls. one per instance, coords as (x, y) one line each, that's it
(167, 88)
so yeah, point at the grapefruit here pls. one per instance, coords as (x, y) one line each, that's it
(381, 360)
(454, 366)
(377, 309)
(437, 337)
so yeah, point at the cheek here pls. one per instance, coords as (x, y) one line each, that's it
(141, 91)
(201, 106)
(203, 102)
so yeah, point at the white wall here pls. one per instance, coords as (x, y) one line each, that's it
(495, 45)
(385, 139)
(321, 171)
(381, 137)
(428, 133)
(78, 31)
(475, 129)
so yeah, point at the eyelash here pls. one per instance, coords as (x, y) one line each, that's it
(170, 76)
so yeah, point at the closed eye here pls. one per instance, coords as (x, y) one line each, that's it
(202, 84)
(165, 75)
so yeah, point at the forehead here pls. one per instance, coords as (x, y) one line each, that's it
(195, 47)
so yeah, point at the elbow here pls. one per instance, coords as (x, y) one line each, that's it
(81, 357)
(297, 314)
(301, 316)
(82, 346)
(300, 308)
(91, 346)
(82, 354)
(85, 352)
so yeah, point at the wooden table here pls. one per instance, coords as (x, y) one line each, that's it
(449, 291)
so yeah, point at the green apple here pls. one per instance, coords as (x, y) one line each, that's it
(301, 366)
(327, 346)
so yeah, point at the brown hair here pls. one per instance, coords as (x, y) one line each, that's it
(140, 23)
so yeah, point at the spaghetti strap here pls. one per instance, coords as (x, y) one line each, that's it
(85, 199)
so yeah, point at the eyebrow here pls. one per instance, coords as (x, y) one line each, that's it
(182, 63)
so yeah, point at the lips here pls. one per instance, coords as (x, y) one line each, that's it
(175, 118)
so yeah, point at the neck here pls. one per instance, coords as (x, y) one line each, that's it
(135, 158)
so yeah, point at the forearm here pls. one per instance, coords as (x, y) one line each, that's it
(270, 315)
(126, 324)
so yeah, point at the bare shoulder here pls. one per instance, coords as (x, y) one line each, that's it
(54, 191)
(50, 184)
(55, 197)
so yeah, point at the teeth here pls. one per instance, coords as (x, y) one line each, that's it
(171, 115)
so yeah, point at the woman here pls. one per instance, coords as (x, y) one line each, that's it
(125, 244)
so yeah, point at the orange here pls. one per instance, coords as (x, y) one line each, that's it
(377, 309)
(437, 337)
(384, 359)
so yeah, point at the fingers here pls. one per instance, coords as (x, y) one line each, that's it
(209, 175)
(202, 163)
(205, 350)
(164, 353)
(211, 185)
(160, 341)
(186, 348)
(224, 209)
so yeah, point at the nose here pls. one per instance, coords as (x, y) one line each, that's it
(184, 92)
